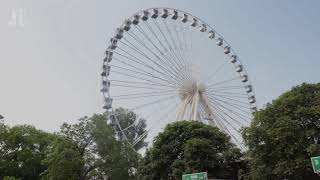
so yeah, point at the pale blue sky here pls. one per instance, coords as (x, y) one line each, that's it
(49, 68)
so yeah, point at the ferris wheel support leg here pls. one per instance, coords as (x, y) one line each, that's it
(182, 110)
(195, 107)
(210, 115)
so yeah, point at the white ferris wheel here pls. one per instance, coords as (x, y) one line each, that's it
(168, 65)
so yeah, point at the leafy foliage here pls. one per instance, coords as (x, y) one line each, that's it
(22, 150)
(117, 159)
(281, 136)
(88, 149)
(64, 161)
(96, 152)
(135, 126)
(186, 147)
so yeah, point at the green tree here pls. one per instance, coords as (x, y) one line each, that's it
(135, 126)
(96, 144)
(22, 150)
(118, 159)
(281, 135)
(64, 161)
(186, 147)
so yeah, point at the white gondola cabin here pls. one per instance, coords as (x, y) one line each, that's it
(194, 22)
(113, 43)
(184, 18)
(127, 25)
(165, 13)
(108, 103)
(239, 68)
(244, 78)
(105, 86)
(155, 13)
(233, 58)
(174, 15)
(145, 15)
(248, 88)
(226, 50)
(136, 19)
(203, 28)
(211, 34)
(219, 41)
(119, 33)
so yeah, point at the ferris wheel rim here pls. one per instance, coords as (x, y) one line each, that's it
(210, 28)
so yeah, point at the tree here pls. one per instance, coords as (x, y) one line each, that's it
(64, 161)
(118, 159)
(96, 144)
(22, 150)
(186, 147)
(281, 136)
(136, 126)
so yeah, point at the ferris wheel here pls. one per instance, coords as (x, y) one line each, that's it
(168, 65)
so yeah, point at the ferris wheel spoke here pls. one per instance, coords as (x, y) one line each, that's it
(134, 48)
(238, 102)
(183, 61)
(141, 63)
(221, 111)
(138, 40)
(134, 36)
(153, 102)
(142, 72)
(245, 96)
(164, 59)
(142, 95)
(135, 77)
(137, 87)
(234, 101)
(223, 82)
(237, 140)
(150, 127)
(145, 74)
(223, 120)
(174, 63)
(164, 69)
(172, 104)
(240, 116)
(231, 94)
(217, 88)
(171, 50)
(191, 37)
(135, 59)
(179, 50)
(143, 83)
(240, 108)
(184, 52)
(168, 44)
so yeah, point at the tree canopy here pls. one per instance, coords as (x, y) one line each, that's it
(22, 150)
(135, 126)
(283, 136)
(97, 154)
(186, 147)
(88, 149)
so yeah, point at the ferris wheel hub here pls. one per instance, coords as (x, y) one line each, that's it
(190, 88)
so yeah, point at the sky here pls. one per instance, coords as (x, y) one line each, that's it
(51, 58)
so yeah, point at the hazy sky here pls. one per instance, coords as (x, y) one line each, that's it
(50, 61)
